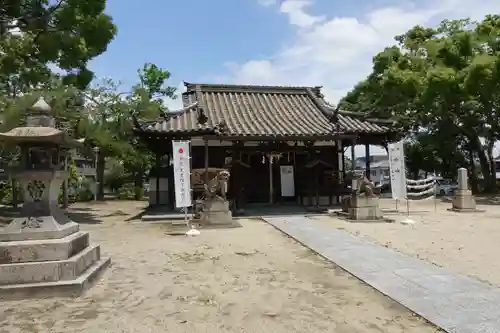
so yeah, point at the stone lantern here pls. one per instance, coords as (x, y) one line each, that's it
(42, 250)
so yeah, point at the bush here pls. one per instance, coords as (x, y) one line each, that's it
(84, 192)
(130, 192)
(126, 192)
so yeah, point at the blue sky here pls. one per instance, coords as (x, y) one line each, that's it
(192, 39)
(286, 42)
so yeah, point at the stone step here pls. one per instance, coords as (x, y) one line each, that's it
(165, 217)
(49, 271)
(66, 288)
(43, 250)
(49, 229)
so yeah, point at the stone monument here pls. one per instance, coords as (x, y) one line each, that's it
(463, 200)
(43, 252)
(213, 209)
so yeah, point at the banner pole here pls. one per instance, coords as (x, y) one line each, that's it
(435, 196)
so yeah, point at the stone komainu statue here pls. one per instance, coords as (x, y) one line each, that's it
(363, 185)
(216, 189)
(217, 186)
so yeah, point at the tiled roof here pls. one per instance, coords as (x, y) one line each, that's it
(184, 120)
(350, 122)
(237, 110)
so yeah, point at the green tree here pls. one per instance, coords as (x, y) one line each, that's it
(36, 33)
(109, 125)
(442, 86)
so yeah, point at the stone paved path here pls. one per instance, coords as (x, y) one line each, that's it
(456, 303)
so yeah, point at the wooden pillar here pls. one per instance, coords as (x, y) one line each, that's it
(343, 159)
(316, 184)
(367, 161)
(206, 162)
(271, 188)
(353, 155)
(157, 178)
(341, 167)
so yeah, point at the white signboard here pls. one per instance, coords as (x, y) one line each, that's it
(182, 173)
(287, 181)
(397, 170)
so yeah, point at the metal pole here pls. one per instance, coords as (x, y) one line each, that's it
(407, 207)
(186, 220)
(435, 199)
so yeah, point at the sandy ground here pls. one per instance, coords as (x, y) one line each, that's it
(250, 279)
(467, 243)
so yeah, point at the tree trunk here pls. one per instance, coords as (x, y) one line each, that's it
(491, 159)
(485, 166)
(101, 164)
(473, 175)
(138, 184)
(476, 146)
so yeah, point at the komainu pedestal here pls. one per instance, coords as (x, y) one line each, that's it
(364, 208)
(216, 212)
(43, 252)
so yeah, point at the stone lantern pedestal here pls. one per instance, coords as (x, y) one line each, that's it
(42, 252)
(463, 201)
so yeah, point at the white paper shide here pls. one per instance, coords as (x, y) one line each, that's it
(182, 173)
(397, 170)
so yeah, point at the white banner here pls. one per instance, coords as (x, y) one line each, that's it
(397, 170)
(182, 173)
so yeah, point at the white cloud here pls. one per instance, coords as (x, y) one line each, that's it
(267, 3)
(297, 14)
(336, 52)
(175, 104)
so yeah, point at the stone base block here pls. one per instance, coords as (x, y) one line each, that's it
(43, 250)
(363, 201)
(216, 217)
(49, 271)
(364, 213)
(363, 208)
(48, 228)
(216, 205)
(464, 200)
(64, 288)
(216, 212)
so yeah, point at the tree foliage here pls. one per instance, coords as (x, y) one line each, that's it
(109, 124)
(37, 33)
(442, 85)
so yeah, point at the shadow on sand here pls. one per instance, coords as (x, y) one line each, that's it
(488, 200)
(79, 215)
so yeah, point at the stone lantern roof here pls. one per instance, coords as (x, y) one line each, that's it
(40, 128)
(40, 107)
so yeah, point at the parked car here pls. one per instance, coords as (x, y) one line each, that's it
(446, 186)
